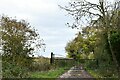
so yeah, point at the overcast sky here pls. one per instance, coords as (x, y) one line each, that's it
(47, 18)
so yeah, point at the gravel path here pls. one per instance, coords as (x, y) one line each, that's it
(76, 73)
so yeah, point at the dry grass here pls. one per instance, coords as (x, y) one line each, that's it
(41, 64)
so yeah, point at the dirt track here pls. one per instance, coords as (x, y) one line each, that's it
(78, 73)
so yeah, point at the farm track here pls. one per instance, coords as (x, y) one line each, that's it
(76, 73)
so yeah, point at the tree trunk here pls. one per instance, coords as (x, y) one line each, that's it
(113, 54)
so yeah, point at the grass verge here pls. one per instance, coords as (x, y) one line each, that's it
(105, 75)
(49, 74)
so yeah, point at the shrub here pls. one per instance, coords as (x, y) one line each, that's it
(12, 70)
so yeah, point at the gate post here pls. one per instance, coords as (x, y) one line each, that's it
(51, 59)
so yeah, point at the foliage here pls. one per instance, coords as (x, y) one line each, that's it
(106, 71)
(19, 41)
(11, 70)
(83, 45)
(115, 41)
(103, 19)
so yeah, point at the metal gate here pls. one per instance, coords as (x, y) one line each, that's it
(63, 62)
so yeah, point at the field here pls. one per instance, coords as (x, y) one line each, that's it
(43, 69)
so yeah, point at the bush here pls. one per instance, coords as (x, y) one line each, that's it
(91, 64)
(12, 70)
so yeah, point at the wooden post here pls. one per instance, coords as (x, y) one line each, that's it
(51, 59)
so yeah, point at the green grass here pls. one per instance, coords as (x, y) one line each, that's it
(94, 73)
(101, 73)
(48, 74)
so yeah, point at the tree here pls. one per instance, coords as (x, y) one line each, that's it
(74, 47)
(82, 44)
(106, 15)
(19, 41)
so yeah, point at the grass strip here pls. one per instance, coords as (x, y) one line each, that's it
(48, 74)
